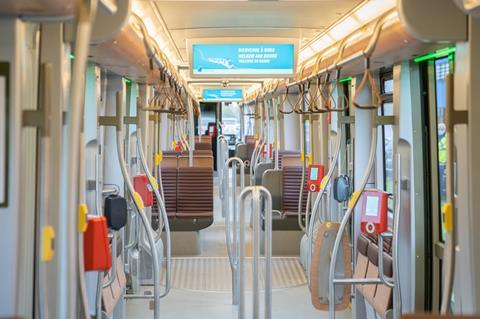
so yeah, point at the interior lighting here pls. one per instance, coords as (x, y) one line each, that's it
(434, 55)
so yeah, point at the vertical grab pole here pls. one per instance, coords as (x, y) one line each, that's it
(268, 251)
(397, 292)
(191, 135)
(161, 205)
(275, 133)
(449, 207)
(233, 246)
(221, 141)
(256, 253)
(351, 206)
(242, 270)
(318, 200)
(138, 203)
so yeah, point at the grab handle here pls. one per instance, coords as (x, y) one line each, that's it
(368, 78)
(256, 192)
(161, 205)
(117, 122)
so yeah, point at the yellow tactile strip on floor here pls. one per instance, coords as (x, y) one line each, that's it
(213, 273)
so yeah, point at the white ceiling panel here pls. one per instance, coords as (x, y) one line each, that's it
(297, 19)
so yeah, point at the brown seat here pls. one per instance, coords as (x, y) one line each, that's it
(379, 296)
(362, 260)
(195, 198)
(169, 182)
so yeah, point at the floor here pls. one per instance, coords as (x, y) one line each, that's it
(212, 299)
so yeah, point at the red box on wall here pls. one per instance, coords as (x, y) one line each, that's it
(142, 187)
(96, 247)
(315, 176)
(374, 218)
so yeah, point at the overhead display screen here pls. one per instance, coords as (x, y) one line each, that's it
(222, 95)
(243, 59)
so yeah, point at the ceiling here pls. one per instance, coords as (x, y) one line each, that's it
(288, 19)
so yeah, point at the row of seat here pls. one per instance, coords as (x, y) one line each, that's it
(379, 296)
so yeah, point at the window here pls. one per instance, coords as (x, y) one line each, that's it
(386, 87)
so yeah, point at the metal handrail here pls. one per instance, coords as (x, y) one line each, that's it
(69, 237)
(276, 131)
(161, 205)
(351, 206)
(256, 192)
(323, 186)
(138, 203)
(395, 243)
(221, 141)
(233, 247)
(304, 163)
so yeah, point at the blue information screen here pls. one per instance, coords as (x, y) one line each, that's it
(314, 173)
(222, 95)
(243, 59)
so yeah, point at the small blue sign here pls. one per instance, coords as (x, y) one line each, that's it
(243, 59)
(222, 95)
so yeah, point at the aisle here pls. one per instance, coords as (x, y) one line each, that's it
(202, 284)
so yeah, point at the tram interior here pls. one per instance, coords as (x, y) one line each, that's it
(239, 159)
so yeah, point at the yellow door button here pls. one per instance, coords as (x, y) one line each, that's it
(48, 243)
(82, 218)
(448, 217)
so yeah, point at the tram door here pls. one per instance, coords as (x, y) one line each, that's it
(436, 71)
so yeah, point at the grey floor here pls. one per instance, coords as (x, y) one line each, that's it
(182, 303)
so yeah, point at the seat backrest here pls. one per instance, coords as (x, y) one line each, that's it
(203, 161)
(260, 169)
(241, 151)
(195, 190)
(170, 159)
(291, 180)
(206, 139)
(198, 152)
(249, 138)
(291, 160)
(272, 180)
(282, 153)
(169, 183)
(203, 146)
